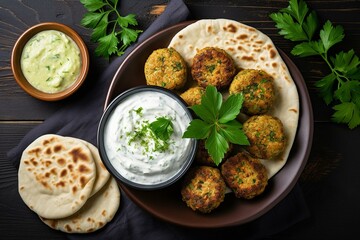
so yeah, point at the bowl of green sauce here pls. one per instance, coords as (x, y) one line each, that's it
(50, 61)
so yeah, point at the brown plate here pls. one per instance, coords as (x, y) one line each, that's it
(166, 204)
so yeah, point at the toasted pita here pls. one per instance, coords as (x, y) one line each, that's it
(95, 214)
(56, 176)
(102, 174)
(250, 49)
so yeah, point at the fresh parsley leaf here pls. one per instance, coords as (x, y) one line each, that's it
(347, 91)
(198, 129)
(306, 49)
(297, 10)
(211, 102)
(342, 85)
(216, 145)
(331, 35)
(346, 63)
(347, 112)
(231, 108)
(162, 128)
(91, 20)
(217, 123)
(107, 45)
(311, 24)
(288, 28)
(231, 132)
(111, 31)
(127, 20)
(93, 5)
(326, 86)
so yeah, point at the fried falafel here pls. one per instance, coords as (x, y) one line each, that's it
(192, 96)
(258, 89)
(266, 136)
(166, 68)
(213, 66)
(245, 175)
(203, 188)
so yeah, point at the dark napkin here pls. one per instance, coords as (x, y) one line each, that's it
(81, 118)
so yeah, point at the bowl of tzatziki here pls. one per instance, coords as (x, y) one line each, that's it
(140, 138)
(50, 61)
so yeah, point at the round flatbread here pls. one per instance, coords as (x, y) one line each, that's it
(102, 174)
(56, 176)
(95, 214)
(250, 49)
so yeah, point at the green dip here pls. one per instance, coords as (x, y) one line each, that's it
(51, 61)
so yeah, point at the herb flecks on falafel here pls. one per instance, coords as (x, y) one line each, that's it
(245, 175)
(203, 189)
(166, 68)
(266, 136)
(213, 66)
(258, 89)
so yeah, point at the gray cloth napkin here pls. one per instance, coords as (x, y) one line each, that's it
(81, 118)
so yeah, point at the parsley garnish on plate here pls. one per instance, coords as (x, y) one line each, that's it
(341, 86)
(111, 31)
(162, 128)
(217, 123)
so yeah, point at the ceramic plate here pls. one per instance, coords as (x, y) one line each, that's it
(166, 204)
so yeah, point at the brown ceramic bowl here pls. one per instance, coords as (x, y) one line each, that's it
(16, 65)
(166, 203)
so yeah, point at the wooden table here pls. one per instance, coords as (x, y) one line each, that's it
(331, 179)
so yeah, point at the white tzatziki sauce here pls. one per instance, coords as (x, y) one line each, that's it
(50, 61)
(136, 158)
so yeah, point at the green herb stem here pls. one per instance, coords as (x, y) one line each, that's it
(298, 23)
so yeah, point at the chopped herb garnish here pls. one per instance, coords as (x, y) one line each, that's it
(152, 137)
(210, 68)
(272, 136)
(177, 66)
(138, 111)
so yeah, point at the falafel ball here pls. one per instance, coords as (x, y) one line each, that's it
(166, 68)
(266, 136)
(213, 66)
(192, 96)
(203, 157)
(203, 188)
(245, 175)
(258, 89)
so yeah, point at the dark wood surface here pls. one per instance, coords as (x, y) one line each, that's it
(331, 179)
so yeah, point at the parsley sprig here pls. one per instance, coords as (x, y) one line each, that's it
(342, 85)
(217, 123)
(162, 128)
(112, 31)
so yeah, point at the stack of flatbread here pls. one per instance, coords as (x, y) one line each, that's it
(64, 181)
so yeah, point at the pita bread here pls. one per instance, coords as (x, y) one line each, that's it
(250, 49)
(56, 176)
(102, 174)
(97, 211)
